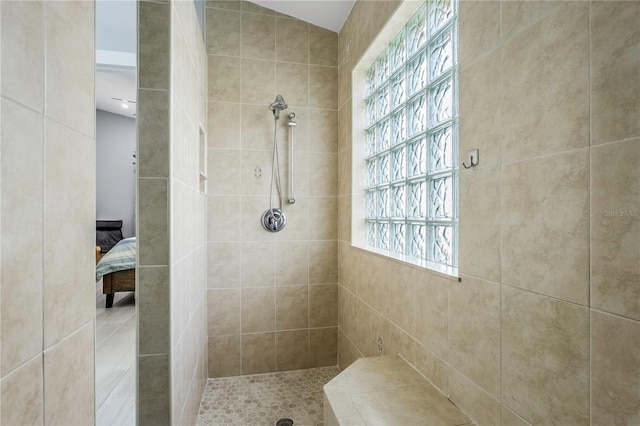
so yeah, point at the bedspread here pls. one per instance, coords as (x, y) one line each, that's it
(121, 257)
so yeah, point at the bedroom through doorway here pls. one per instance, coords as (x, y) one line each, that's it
(116, 314)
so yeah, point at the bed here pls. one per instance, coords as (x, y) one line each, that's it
(117, 269)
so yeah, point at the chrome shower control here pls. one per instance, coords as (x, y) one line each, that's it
(273, 220)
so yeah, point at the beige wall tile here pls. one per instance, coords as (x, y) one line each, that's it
(292, 82)
(545, 104)
(292, 263)
(323, 347)
(347, 352)
(223, 312)
(401, 298)
(68, 271)
(323, 305)
(154, 390)
(258, 353)
(258, 36)
(224, 356)
(258, 309)
(69, 379)
(323, 262)
(509, 418)
(224, 4)
(251, 211)
(479, 30)
(544, 220)
(519, 15)
(292, 350)
(323, 215)
(153, 133)
(153, 45)
(256, 127)
(250, 7)
(363, 338)
(224, 169)
(615, 228)
(474, 331)
(223, 266)
(297, 214)
(292, 40)
(223, 125)
(477, 404)
(395, 341)
(344, 126)
(344, 171)
(255, 163)
(479, 238)
(432, 367)
(258, 81)
(431, 304)
(153, 310)
(224, 32)
(64, 41)
(224, 78)
(615, 370)
(258, 264)
(21, 397)
(615, 71)
(22, 41)
(323, 130)
(380, 15)
(323, 174)
(323, 87)
(323, 46)
(228, 207)
(479, 101)
(344, 218)
(153, 222)
(22, 208)
(545, 358)
(292, 307)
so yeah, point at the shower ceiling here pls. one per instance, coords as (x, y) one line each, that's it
(329, 14)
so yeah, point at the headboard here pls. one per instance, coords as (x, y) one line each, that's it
(108, 233)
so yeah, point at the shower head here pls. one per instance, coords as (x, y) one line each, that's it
(278, 105)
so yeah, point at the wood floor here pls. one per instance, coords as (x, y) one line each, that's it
(115, 360)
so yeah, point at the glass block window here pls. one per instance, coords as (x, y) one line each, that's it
(411, 141)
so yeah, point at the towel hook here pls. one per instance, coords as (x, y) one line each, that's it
(473, 157)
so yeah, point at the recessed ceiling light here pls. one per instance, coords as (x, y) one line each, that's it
(125, 106)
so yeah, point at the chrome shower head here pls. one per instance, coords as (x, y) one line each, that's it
(278, 105)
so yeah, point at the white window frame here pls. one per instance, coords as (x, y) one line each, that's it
(361, 152)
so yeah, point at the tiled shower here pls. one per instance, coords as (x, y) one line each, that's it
(272, 297)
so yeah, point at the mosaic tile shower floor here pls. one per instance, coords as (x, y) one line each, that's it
(263, 399)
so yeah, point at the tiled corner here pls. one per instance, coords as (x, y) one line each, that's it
(323, 305)
(323, 347)
(323, 46)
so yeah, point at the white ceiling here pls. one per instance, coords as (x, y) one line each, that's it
(329, 14)
(116, 43)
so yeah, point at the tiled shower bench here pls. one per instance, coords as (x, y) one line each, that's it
(386, 390)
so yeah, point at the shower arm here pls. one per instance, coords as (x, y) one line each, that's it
(291, 125)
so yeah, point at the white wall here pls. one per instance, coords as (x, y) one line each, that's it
(115, 172)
